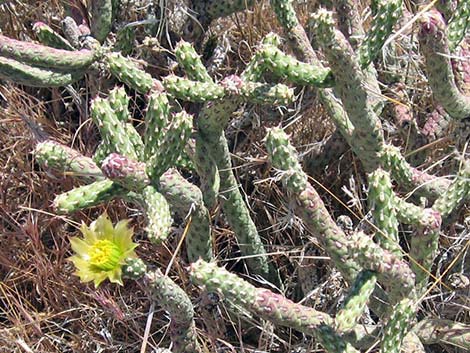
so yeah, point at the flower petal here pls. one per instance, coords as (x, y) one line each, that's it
(123, 235)
(88, 234)
(115, 276)
(80, 247)
(103, 227)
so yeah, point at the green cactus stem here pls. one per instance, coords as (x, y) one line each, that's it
(424, 248)
(383, 211)
(102, 151)
(356, 301)
(211, 123)
(458, 24)
(191, 62)
(186, 199)
(125, 40)
(157, 118)
(167, 294)
(158, 215)
(51, 38)
(238, 215)
(211, 10)
(391, 271)
(47, 57)
(64, 159)
(193, 91)
(349, 21)
(111, 129)
(268, 305)
(207, 169)
(87, 196)
(172, 145)
(134, 269)
(128, 72)
(101, 12)
(434, 46)
(368, 135)
(425, 241)
(454, 197)
(285, 66)
(200, 92)
(387, 14)
(426, 184)
(310, 206)
(126, 172)
(20, 73)
(438, 331)
(294, 31)
(119, 102)
(262, 302)
(398, 326)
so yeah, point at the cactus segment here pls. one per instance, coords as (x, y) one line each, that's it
(87, 196)
(135, 140)
(126, 172)
(311, 208)
(51, 38)
(101, 12)
(398, 326)
(191, 62)
(284, 157)
(350, 86)
(101, 152)
(193, 91)
(237, 213)
(261, 93)
(47, 57)
(435, 49)
(119, 102)
(262, 302)
(158, 215)
(211, 10)
(172, 145)
(64, 159)
(453, 198)
(134, 268)
(458, 24)
(284, 66)
(285, 13)
(32, 76)
(186, 199)
(125, 39)
(207, 169)
(355, 304)
(127, 71)
(166, 293)
(387, 15)
(200, 92)
(391, 270)
(424, 246)
(268, 305)
(349, 21)
(111, 129)
(157, 118)
(381, 202)
(428, 185)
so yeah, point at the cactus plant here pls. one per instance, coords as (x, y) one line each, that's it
(386, 270)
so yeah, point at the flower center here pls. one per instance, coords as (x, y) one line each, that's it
(104, 255)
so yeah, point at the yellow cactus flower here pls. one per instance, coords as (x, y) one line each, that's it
(103, 250)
